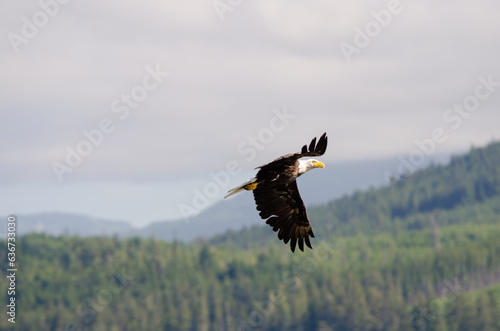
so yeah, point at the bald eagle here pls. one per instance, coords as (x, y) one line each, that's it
(277, 196)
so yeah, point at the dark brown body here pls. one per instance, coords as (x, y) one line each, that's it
(278, 199)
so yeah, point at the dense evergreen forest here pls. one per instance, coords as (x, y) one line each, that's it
(420, 254)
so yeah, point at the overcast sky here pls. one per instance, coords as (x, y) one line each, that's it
(123, 109)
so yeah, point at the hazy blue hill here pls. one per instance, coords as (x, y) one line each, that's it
(69, 224)
(221, 217)
(237, 213)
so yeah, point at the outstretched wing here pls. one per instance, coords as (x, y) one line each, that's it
(284, 210)
(314, 149)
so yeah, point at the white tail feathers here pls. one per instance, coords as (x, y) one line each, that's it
(240, 188)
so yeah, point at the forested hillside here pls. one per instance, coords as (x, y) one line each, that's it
(382, 282)
(421, 254)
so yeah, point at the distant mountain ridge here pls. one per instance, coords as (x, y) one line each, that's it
(69, 224)
(234, 214)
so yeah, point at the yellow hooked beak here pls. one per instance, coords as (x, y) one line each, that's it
(319, 164)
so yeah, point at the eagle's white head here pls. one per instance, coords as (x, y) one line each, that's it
(306, 165)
